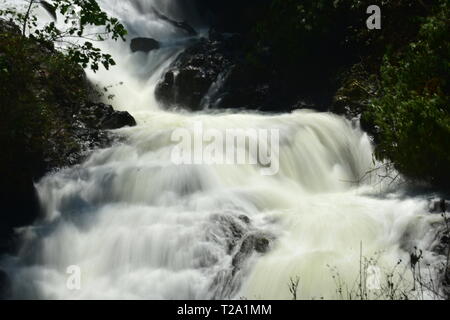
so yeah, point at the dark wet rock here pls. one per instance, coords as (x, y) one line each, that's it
(216, 73)
(252, 243)
(117, 120)
(232, 229)
(261, 245)
(100, 116)
(144, 45)
(245, 219)
(188, 80)
(86, 131)
(235, 231)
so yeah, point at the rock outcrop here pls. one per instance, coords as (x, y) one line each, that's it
(189, 79)
(104, 117)
(144, 45)
(255, 242)
(216, 73)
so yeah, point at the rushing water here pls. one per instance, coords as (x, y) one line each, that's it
(141, 227)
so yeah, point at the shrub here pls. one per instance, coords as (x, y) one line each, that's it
(412, 113)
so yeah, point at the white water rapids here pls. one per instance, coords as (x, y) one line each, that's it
(141, 227)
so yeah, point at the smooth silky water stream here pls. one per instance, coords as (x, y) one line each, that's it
(141, 227)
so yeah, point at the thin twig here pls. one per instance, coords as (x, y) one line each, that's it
(27, 16)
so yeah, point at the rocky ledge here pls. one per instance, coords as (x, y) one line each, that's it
(217, 73)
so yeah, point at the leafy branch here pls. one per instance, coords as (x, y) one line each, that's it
(83, 22)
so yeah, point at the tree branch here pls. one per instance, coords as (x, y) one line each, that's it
(27, 16)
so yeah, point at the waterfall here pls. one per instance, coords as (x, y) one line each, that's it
(140, 227)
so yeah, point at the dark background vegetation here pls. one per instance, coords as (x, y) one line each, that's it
(396, 79)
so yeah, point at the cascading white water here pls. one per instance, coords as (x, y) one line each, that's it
(141, 227)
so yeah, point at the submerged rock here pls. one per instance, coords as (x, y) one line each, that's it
(251, 243)
(232, 230)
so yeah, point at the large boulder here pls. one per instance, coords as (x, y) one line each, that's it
(216, 73)
(117, 120)
(103, 116)
(144, 45)
(189, 79)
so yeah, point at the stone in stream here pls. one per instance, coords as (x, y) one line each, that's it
(117, 120)
(244, 218)
(253, 242)
(193, 73)
(103, 116)
(144, 45)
